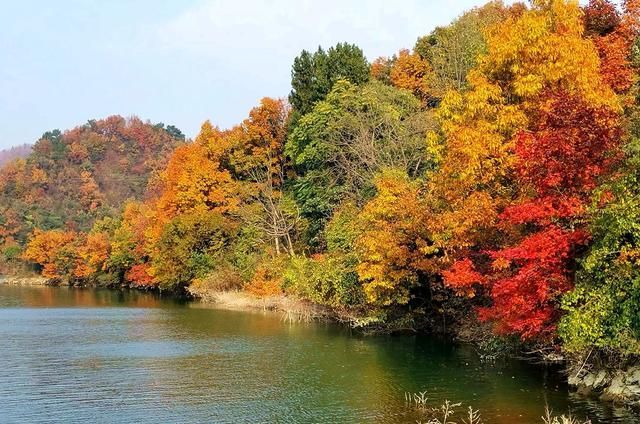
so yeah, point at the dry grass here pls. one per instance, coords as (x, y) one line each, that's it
(223, 279)
(292, 308)
(24, 280)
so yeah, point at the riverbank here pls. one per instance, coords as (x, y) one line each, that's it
(24, 280)
(611, 385)
(294, 309)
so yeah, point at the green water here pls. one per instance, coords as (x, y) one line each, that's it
(98, 356)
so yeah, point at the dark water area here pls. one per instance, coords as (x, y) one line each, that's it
(98, 356)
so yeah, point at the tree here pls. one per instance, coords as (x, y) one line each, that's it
(313, 75)
(54, 251)
(614, 35)
(537, 126)
(411, 72)
(257, 145)
(602, 310)
(131, 246)
(348, 138)
(394, 240)
(188, 248)
(195, 178)
(601, 17)
(453, 51)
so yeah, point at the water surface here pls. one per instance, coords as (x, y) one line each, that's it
(99, 356)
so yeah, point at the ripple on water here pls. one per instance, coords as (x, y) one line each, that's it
(148, 360)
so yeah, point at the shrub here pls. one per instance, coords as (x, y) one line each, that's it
(267, 280)
(329, 280)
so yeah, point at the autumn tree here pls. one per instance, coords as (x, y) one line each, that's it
(54, 251)
(130, 246)
(381, 68)
(411, 72)
(453, 51)
(548, 127)
(394, 240)
(614, 35)
(195, 178)
(339, 147)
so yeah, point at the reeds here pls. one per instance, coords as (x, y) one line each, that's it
(548, 418)
(450, 413)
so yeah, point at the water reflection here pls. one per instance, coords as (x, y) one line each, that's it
(74, 355)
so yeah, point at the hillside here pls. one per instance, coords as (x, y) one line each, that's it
(15, 152)
(71, 178)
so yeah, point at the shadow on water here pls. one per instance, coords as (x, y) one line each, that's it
(107, 356)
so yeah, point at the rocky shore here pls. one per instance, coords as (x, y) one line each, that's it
(620, 386)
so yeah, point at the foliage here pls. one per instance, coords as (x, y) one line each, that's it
(551, 126)
(194, 179)
(53, 251)
(313, 75)
(602, 309)
(73, 178)
(129, 247)
(339, 147)
(614, 36)
(268, 279)
(407, 71)
(561, 160)
(453, 51)
(329, 280)
(394, 244)
(188, 248)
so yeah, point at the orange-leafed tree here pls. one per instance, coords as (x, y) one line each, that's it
(394, 242)
(195, 178)
(93, 254)
(411, 72)
(257, 145)
(614, 35)
(54, 251)
(131, 244)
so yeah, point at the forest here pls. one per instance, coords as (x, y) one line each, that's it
(7, 155)
(484, 181)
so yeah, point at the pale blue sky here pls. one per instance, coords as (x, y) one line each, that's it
(179, 62)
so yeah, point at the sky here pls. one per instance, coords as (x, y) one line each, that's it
(179, 62)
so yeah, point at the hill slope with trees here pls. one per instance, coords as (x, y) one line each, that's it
(70, 179)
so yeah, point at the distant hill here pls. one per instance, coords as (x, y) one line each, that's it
(74, 177)
(15, 152)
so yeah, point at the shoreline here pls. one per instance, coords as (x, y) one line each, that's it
(24, 281)
(620, 386)
(294, 309)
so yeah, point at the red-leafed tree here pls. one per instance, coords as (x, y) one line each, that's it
(614, 35)
(557, 163)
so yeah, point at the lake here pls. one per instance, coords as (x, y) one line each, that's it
(99, 356)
